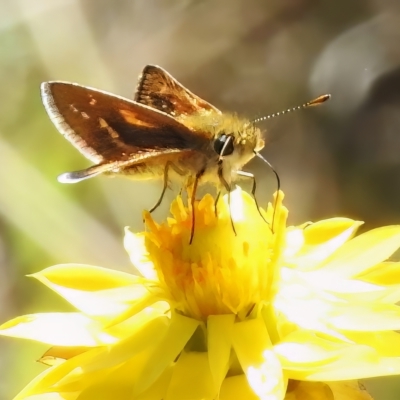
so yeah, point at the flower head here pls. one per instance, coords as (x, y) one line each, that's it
(249, 310)
(222, 271)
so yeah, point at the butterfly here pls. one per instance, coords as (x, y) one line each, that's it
(166, 132)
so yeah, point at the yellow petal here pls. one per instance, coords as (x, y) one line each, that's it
(52, 396)
(27, 392)
(237, 387)
(159, 388)
(57, 373)
(114, 385)
(191, 378)
(146, 337)
(123, 325)
(304, 349)
(58, 329)
(356, 365)
(386, 344)
(387, 276)
(342, 362)
(368, 317)
(86, 376)
(94, 291)
(85, 277)
(386, 273)
(323, 231)
(146, 301)
(106, 390)
(296, 294)
(56, 353)
(260, 364)
(363, 252)
(95, 367)
(166, 350)
(305, 356)
(219, 329)
(318, 241)
(350, 289)
(136, 248)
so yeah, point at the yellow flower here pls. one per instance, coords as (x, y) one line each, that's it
(266, 314)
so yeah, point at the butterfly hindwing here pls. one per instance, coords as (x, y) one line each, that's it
(157, 89)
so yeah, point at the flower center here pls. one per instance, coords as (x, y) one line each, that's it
(223, 271)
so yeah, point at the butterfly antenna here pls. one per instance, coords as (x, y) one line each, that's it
(315, 102)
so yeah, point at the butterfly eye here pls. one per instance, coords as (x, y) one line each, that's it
(223, 145)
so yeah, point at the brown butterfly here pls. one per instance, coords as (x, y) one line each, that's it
(166, 132)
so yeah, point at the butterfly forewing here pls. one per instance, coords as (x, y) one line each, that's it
(158, 89)
(105, 127)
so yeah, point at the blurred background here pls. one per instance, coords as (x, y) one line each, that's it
(254, 57)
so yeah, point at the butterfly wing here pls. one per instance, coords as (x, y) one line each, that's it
(157, 89)
(108, 128)
(112, 131)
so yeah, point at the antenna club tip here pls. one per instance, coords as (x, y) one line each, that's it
(320, 99)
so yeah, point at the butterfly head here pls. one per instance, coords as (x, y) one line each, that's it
(237, 141)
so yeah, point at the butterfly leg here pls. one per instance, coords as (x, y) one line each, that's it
(168, 165)
(216, 203)
(253, 193)
(249, 175)
(228, 189)
(192, 201)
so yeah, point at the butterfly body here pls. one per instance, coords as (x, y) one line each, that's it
(202, 155)
(165, 125)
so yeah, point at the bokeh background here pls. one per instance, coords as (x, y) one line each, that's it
(254, 57)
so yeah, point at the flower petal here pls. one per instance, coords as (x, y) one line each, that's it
(142, 338)
(47, 382)
(365, 317)
(51, 396)
(159, 388)
(386, 344)
(113, 385)
(136, 248)
(386, 273)
(237, 387)
(95, 291)
(219, 329)
(305, 356)
(254, 350)
(191, 378)
(165, 351)
(338, 229)
(355, 366)
(56, 353)
(363, 252)
(317, 241)
(28, 393)
(304, 349)
(85, 277)
(58, 329)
